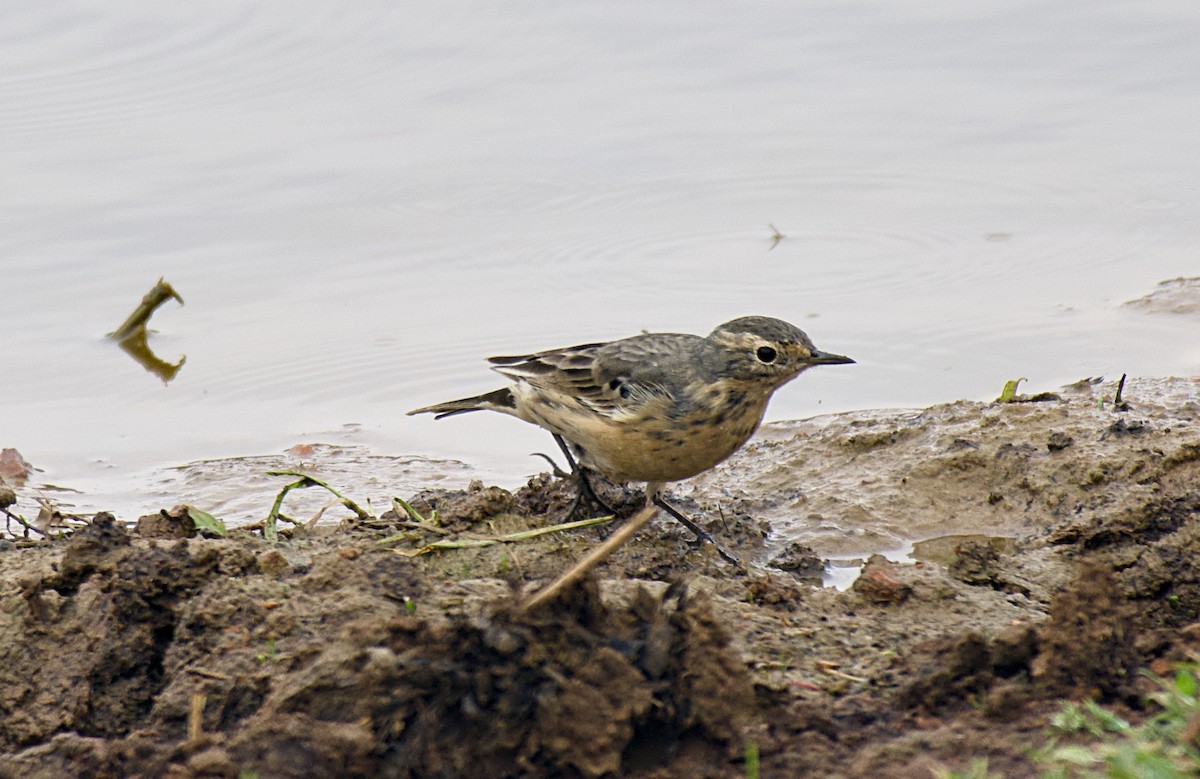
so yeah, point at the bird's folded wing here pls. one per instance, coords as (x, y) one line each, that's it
(610, 383)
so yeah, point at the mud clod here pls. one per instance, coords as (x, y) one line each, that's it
(273, 562)
(478, 504)
(880, 582)
(1058, 441)
(955, 669)
(1087, 647)
(123, 597)
(800, 561)
(167, 524)
(1124, 427)
(975, 563)
(571, 690)
(93, 548)
(561, 691)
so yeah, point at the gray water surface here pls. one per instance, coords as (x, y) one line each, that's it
(358, 202)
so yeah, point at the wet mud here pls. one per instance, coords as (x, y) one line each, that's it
(142, 648)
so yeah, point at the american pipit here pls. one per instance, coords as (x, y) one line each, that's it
(657, 407)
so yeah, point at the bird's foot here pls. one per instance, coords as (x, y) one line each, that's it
(557, 472)
(701, 533)
(586, 496)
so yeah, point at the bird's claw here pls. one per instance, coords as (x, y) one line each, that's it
(558, 473)
(702, 535)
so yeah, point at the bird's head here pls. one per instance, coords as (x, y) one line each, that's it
(760, 349)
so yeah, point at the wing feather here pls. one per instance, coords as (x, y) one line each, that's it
(614, 379)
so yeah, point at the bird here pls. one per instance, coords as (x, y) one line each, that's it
(656, 407)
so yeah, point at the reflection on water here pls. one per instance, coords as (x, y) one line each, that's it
(135, 346)
(131, 336)
(363, 202)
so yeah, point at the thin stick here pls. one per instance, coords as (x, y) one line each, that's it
(1118, 403)
(476, 542)
(23, 523)
(594, 558)
(195, 724)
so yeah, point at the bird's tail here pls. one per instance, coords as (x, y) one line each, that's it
(498, 400)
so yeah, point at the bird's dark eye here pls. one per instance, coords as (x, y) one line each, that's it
(766, 354)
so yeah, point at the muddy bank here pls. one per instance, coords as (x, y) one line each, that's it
(153, 651)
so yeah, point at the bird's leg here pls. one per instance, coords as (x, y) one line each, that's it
(701, 533)
(566, 450)
(584, 493)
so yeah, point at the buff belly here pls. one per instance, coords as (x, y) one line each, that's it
(651, 446)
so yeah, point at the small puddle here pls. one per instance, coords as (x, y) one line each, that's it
(941, 549)
(841, 571)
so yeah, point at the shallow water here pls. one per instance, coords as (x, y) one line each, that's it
(359, 203)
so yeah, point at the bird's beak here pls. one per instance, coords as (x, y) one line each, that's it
(825, 358)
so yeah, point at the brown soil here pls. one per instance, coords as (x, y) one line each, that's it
(152, 651)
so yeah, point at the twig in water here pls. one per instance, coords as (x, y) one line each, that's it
(160, 293)
(776, 236)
